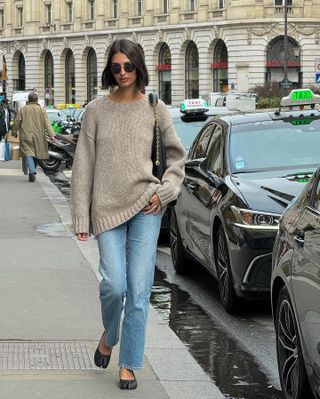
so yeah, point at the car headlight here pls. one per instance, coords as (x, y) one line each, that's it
(249, 219)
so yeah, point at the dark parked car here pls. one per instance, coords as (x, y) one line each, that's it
(188, 120)
(241, 173)
(296, 295)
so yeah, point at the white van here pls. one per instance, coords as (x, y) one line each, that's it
(20, 98)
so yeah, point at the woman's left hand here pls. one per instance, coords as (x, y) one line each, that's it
(154, 205)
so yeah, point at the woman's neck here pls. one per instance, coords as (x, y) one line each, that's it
(126, 96)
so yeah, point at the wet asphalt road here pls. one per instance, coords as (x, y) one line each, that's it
(238, 351)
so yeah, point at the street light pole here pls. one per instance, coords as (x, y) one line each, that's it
(285, 41)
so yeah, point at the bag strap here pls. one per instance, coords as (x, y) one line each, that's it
(153, 99)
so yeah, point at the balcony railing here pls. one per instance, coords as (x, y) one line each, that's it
(161, 18)
(138, 20)
(188, 15)
(111, 22)
(217, 14)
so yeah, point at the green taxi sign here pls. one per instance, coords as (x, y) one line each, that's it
(302, 121)
(299, 97)
(305, 94)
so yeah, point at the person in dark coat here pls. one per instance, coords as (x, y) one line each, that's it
(4, 119)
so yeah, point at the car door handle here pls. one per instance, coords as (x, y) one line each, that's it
(299, 239)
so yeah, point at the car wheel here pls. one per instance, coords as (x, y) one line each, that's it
(292, 372)
(179, 259)
(224, 273)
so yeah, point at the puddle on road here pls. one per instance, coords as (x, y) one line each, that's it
(235, 372)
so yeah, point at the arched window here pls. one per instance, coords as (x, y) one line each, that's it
(70, 82)
(275, 61)
(192, 71)
(164, 73)
(220, 67)
(49, 78)
(21, 73)
(92, 82)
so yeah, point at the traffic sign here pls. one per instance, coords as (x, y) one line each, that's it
(317, 77)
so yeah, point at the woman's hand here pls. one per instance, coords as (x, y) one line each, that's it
(82, 236)
(154, 205)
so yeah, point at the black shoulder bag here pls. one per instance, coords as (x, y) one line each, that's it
(158, 152)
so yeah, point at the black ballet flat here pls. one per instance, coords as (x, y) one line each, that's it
(128, 384)
(101, 360)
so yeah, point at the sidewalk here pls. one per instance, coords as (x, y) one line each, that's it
(50, 310)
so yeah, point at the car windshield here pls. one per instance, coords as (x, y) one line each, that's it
(69, 111)
(187, 131)
(55, 116)
(274, 145)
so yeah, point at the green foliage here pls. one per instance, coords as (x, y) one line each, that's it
(270, 93)
(268, 89)
(272, 102)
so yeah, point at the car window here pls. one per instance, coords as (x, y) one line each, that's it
(202, 144)
(215, 152)
(187, 131)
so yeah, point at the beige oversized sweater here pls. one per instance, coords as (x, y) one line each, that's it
(112, 170)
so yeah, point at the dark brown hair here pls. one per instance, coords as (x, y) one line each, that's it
(134, 53)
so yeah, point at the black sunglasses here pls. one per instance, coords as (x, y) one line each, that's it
(127, 66)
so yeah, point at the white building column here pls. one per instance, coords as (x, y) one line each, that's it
(174, 41)
(59, 73)
(203, 40)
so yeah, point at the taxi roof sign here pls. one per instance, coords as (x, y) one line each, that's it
(194, 105)
(300, 97)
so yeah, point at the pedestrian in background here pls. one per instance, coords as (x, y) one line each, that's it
(114, 188)
(32, 123)
(5, 116)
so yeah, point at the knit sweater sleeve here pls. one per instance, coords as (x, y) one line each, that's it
(82, 172)
(175, 156)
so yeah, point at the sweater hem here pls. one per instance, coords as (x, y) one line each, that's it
(112, 221)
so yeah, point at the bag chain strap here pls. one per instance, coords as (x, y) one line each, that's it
(156, 120)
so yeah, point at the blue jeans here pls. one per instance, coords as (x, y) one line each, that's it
(31, 164)
(127, 265)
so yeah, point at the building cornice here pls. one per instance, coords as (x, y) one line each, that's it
(256, 28)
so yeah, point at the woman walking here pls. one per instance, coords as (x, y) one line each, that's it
(113, 188)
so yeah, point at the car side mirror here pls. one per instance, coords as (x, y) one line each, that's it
(193, 163)
(219, 184)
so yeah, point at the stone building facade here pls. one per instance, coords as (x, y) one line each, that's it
(191, 47)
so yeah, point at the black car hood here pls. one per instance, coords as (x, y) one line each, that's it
(270, 194)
